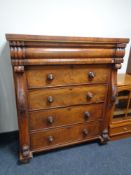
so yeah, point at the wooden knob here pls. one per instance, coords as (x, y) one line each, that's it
(50, 77)
(87, 115)
(91, 75)
(85, 132)
(50, 99)
(50, 139)
(89, 95)
(50, 119)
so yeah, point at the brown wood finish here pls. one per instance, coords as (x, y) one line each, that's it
(22, 108)
(71, 52)
(35, 39)
(119, 130)
(118, 137)
(64, 61)
(59, 81)
(121, 127)
(38, 77)
(124, 80)
(66, 96)
(63, 135)
(65, 116)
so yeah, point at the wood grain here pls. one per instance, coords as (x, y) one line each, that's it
(65, 116)
(38, 99)
(119, 130)
(63, 135)
(64, 39)
(120, 127)
(63, 100)
(37, 77)
(71, 53)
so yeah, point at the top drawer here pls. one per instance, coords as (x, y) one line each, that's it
(47, 76)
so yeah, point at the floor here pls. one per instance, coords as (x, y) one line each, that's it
(88, 159)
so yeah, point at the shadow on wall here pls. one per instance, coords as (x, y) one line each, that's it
(8, 115)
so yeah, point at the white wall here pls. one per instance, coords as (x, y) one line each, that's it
(96, 18)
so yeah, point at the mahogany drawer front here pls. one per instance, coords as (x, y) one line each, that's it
(42, 76)
(65, 116)
(59, 136)
(120, 130)
(66, 96)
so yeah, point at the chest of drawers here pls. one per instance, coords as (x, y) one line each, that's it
(65, 89)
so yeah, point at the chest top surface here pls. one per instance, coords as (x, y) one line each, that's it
(64, 39)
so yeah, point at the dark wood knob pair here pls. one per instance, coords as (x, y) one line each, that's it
(50, 77)
(91, 75)
(89, 97)
(85, 133)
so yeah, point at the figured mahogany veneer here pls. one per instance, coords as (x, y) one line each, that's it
(65, 116)
(42, 76)
(66, 96)
(65, 89)
(60, 136)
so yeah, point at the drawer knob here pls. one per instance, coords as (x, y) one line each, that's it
(89, 95)
(50, 119)
(87, 115)
(50, 139)
(50, 99)
(85, 132)
(50, 77)
(91, 75)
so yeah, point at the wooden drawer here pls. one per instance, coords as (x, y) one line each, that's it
(65, 116)
(120, 130)
(61, 136)
(43, 76)
(60, 97)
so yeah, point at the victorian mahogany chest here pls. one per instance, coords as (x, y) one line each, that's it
(65, 89)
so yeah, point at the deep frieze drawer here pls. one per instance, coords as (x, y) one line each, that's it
(67, 96)
(61, 136)
(48, 76)
(72, 53)
(65, 116)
